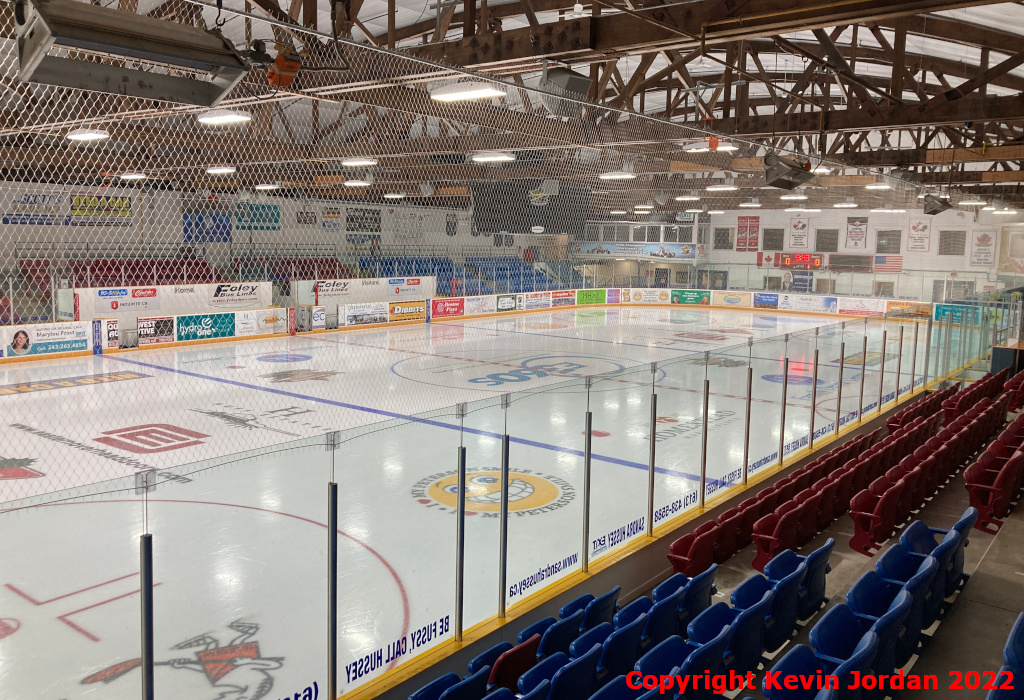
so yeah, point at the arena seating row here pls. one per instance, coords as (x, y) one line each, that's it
(118, 272)
(924, 407)
(1012, 672)
(509, 273)
(717, 540)
(991, 386)
(879, 628)
(893, 493)
(1015, 388)
(442, 267)
(995, 481)
(292, 268)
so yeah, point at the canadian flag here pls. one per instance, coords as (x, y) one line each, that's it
(768, 259)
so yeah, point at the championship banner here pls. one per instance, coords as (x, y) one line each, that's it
(799, 229)
(983, 247)
(856, 232)
(748, 233)
(919, 238)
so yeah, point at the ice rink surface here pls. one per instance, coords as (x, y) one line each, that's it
(237, 433)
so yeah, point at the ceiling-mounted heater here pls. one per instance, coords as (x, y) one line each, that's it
(42, 24)
(563, 81)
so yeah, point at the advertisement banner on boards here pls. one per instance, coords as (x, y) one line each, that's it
(156, 329)
(109, 333)
(590, 296)
(766, 300)
(537, 300)
(327, 292)
(447, 308)
(122, 299)
(263, 321)
(646, 296)
(809, 302)
(309, 317)
(478, 305)
(861, 306)
(45, 338)
(613, 295)
(507, 302)
(563, 297)
(204, 326)
(363, 314)
(916, 308)
(691, 297)
(740, 300)
(410, 310)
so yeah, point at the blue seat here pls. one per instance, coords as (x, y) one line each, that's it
(746, 643)
(860, 662)
(706, 657)
(577, 680)
(539, 692)
(473, 687)
(921, 539)
(662, 617)
(581, 645)
(560, 635)
(1013, 651)
(501, 694)
(888, 626)
(697, 596)
(872, 595)
(898, 564)
(781, 621)
(1016, 693)
(798, 661)
(812, 590)
(621, 650)
(669, 586)
(543, 671)
(601, 609)
(664, 657)
(617, 689)
(433, 689)
(488, 657)
(842, 647)
(538, 627)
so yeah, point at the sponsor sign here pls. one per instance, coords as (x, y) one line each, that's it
(653, 251)
(126, 299)
(46, 339)
(330, 218)
(646, 296)
(983, 247)
(261, 322)
(808, 302)
(861, 306)
(311, 318)
(105, 210)
(613, 295)
(257, 217)
(737, 299)
(537, 300)
(691, 297)
(156, 329)
(447, 308)
(563, 297)
(766, 301)
(482, 305)
(363, 314)
(204, 326)
(328, 292)
(306, 218)
(856, 232)
(954, 313)
(109, 333)
(506, 302)
(69, 382)
(238, 294)
(590, 296)
(206, 227)
(410, 310)
(919, 238)
(916, 307)
(32, 209)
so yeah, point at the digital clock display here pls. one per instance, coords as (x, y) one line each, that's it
(802, 261)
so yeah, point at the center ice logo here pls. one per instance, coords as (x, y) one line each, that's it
(528, 492)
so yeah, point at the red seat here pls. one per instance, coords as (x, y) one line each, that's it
(844, 490)
(694, 552)
(992, 492)
(827, 506)
(810, 502)
(728, 530)
(776, 532)
(874, 518)
(513, 663)
(751, 510)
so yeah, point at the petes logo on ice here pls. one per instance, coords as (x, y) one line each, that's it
(529, 492)
(235, 294)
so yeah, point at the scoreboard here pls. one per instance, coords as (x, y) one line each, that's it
(802, 261)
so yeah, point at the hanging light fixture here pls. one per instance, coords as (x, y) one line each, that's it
(752, 204)
(87, 135)
(220, 170)
(468, 90)
(133, 175)
(221, 117)
(359, 162)
(616, 175)
(493, 157)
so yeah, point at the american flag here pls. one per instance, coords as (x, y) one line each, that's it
(888, 263)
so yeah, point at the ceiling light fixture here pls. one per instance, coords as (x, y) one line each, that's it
(716, 211)
(1005, 212)
(394, 195)
(972, 202)
(88, 135)
(359, 162)
(643, 206)
(848, 204)
(727, 186)
(694, 211)
(220, 170)
(358, 182)
(133, 176)
(266, 186)
(878, 186)
(220, 117)
(470, 90)
(692, 197)
(616, 175)
(493, 157)
(752, 204)
(793, 197)
(617, 212)
(821, 169)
